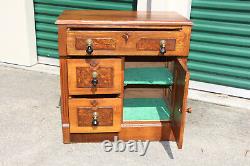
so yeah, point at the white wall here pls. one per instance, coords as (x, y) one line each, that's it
(183, 7)
(17, 32)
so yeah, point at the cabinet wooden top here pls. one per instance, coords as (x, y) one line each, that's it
(121, 18)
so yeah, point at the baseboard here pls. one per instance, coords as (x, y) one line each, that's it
(50, 69)
(231, 91)
(48, 61)
(220, 99)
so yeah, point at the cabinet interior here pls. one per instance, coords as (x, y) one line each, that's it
(147, 88)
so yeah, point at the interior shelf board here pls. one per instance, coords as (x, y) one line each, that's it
(145, 109)
(148, 76)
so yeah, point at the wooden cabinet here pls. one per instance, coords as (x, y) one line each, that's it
(123, 74)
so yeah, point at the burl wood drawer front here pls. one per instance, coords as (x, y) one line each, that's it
(95, 76)
(128, 42)
(106, 112)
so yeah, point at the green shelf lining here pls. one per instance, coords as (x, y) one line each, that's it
(145, 109)
(148, 76)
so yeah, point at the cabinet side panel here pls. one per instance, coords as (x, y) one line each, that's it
(187, 32)
(62, 40)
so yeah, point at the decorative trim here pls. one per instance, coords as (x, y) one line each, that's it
(141, 125)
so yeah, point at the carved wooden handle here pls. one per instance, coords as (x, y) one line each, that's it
(93, 103)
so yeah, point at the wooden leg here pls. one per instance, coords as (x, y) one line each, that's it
(64, 101)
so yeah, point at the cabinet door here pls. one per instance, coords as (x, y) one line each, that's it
(180, 91)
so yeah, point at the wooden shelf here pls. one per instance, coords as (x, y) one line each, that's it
(148, 76)
(145, 109)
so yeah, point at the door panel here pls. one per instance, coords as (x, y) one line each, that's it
(180, 89)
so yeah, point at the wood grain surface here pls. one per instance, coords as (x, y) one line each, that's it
(111, 17)
(109, 76)
(180, 91)
(129, 43)
(85, 116)
(76, 105)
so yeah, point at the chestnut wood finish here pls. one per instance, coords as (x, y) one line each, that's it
(81, 114)
(92, 84)
(155, 131)
(180, 100)
(85, 115)
(149, 44)
(89, 137)
(130, 19)
(98, 43)
(128, 43)
(108, 71)
(64, 84)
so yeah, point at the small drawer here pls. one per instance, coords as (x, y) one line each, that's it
(95, 76)
(175, 41)
(95, 115)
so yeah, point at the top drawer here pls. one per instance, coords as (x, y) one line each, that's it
(175, 41)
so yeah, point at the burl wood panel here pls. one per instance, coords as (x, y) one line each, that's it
(121, 19)
(109, 76)
(85, 116)
(84, 77)
(98, 43)
(146, 44)
(180, 91)
(113, 104)
(132, 43)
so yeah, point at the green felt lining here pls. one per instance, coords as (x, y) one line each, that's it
(145, 109)
(148, 76)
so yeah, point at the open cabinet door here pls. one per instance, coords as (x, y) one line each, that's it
(180, 91)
